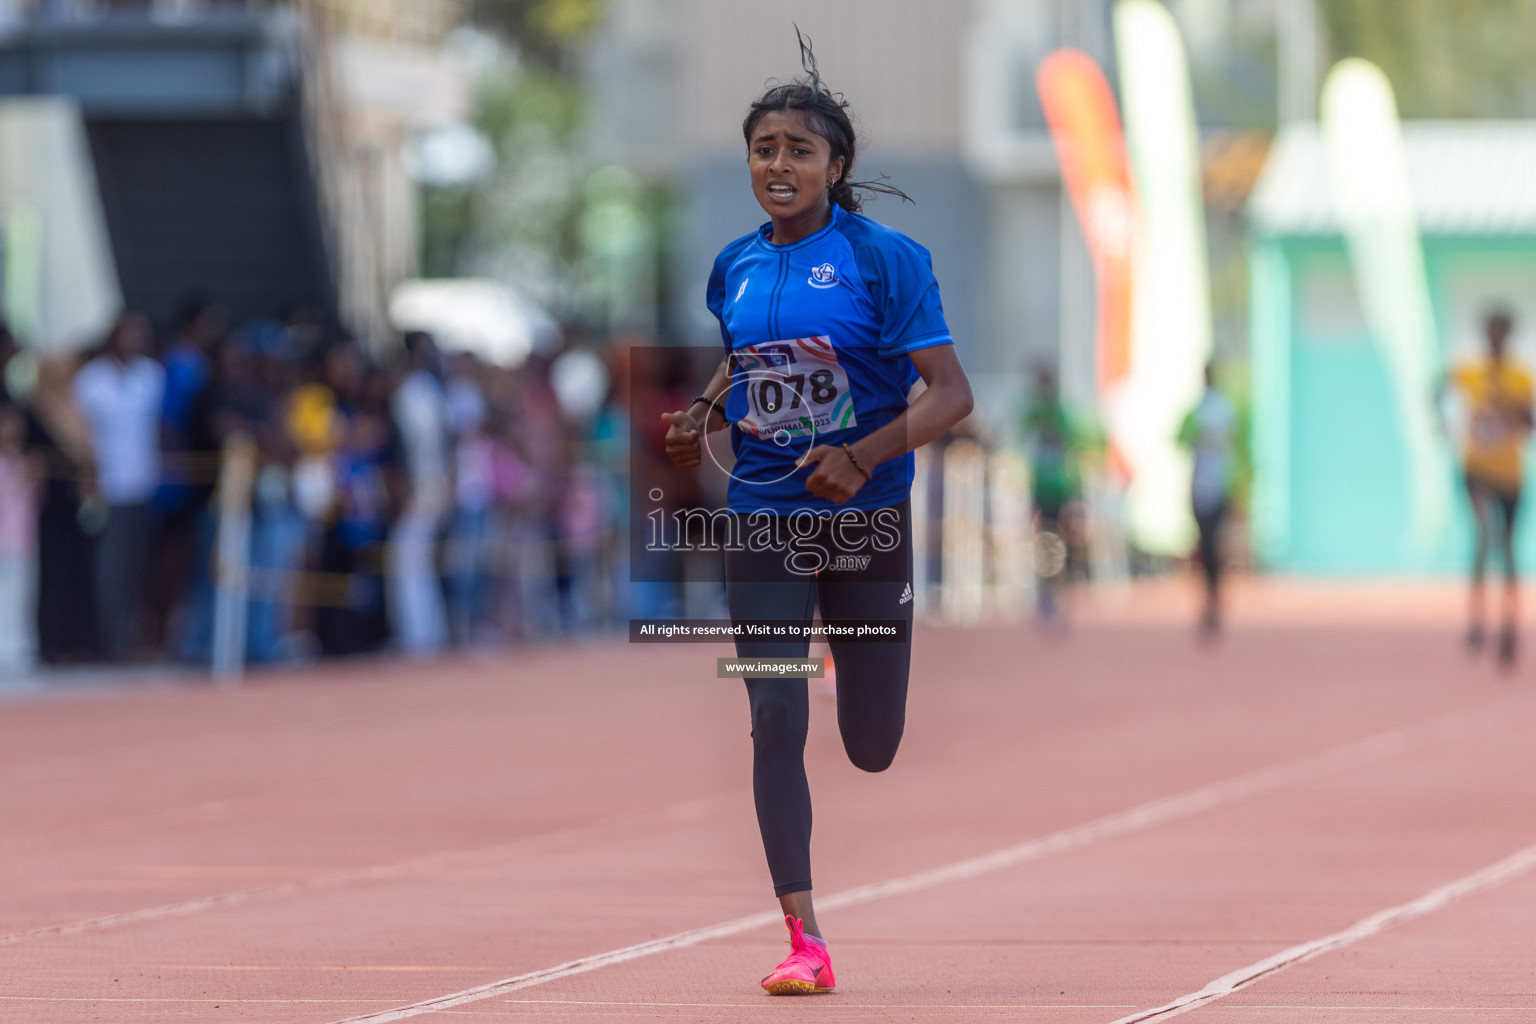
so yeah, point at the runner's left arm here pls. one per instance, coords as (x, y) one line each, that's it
(946, 401)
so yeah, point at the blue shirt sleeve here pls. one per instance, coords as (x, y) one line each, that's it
(714, 294)
(899, 277)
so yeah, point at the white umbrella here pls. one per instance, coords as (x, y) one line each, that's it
(474, 315)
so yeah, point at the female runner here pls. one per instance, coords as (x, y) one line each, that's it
(828, 319)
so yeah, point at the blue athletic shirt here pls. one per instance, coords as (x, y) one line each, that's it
(819, 332)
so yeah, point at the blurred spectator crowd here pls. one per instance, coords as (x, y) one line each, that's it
(411, 503)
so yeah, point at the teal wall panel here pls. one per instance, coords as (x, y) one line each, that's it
(1348, 481)
(1322, 398)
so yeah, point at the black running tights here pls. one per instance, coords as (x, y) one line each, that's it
(871, 685)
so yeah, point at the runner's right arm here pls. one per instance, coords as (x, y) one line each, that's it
(684, 433)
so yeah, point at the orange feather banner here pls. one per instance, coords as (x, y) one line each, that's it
(1085, 126)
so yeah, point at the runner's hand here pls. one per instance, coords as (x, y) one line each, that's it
(835, 477)
(683, 435)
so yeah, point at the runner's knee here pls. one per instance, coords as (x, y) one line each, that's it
(778, 723)
(873, 750)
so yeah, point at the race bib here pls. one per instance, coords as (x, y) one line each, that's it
(795, 389)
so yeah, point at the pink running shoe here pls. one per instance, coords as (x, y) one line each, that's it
(807, 969)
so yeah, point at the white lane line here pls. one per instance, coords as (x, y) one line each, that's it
(1360, 753)
(840, 1005)
(1450, 726)
(377, 873)
(1494, 875)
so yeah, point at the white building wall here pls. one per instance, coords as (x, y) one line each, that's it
(897, 61)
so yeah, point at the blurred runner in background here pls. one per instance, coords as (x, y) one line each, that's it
(1210, 430)
(1051, 438)
(1497, 392)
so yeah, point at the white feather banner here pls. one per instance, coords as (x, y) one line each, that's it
(1368, 176)
(1171, 306)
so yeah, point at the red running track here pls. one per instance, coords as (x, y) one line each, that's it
(1078, 829)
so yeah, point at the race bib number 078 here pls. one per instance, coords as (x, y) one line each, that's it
(794, 388)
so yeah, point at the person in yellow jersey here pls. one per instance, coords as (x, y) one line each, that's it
(1497, 393)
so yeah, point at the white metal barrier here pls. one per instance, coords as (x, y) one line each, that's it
(963, 597)
(1009, 515)
(975, 505)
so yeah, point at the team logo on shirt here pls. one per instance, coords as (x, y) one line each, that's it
(824, 276)
(776, 353)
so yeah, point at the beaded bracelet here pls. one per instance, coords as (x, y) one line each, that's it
(856, 465)
(713, 407)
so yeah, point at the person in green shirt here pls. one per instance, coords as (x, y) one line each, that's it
(1051, 440)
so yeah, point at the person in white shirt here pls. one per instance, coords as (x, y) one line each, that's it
(1211, 431)
(120, 394)
(421, 415)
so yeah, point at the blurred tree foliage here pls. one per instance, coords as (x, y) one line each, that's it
(1445, 58)
(522, 223)
(544, 30)
(579, 238)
